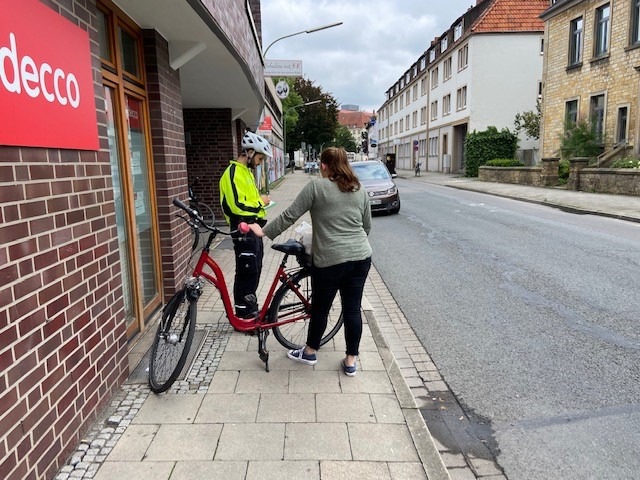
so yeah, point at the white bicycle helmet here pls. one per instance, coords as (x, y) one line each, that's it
(257, 143)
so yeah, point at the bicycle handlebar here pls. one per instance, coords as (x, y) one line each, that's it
(192, 213)
(242, 229)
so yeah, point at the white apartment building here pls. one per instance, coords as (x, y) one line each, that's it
(402, 122)
(482, 71)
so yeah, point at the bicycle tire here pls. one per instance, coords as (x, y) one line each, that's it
(206, 212)
(172, 341)
(287, 304)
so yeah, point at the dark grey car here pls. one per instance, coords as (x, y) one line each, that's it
(381, 189)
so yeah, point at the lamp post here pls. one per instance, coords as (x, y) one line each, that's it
(284, 136)
(311, 30)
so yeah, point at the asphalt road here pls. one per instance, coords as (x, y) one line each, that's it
(532, 316)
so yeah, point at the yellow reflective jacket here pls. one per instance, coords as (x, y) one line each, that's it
(239, 195)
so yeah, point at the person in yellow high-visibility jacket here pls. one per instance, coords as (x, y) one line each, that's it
(241, 202)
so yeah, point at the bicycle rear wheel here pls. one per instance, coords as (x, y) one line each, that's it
(287, 304)
(172, 341)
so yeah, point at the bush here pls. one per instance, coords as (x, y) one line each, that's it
(563, 171)
(480, 147)
(579, 140)
(504, 162)
(626, 163)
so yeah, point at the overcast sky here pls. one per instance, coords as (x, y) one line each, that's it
(358, 61)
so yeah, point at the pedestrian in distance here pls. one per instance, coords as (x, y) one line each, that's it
(242, 202)
(341, 253)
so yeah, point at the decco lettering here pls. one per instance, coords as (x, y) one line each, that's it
(54, 84)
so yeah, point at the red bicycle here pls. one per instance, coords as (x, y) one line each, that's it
(286, 310)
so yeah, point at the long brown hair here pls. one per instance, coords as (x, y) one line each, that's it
(339, 170)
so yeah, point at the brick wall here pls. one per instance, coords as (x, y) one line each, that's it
(63, 339)
(213, 142)
(615, 75)
(167, 131)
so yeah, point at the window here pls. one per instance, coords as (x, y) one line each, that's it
(621, 126)
(415, 92)
(601, 42)
(423, 63)
(433, 147)
(571, 112)
(401, 101)
(444, 43)
(407, 98)
(415, 120)
(434, 78)
(423, 115)
(423, 86)
(461, 98)
(446, 74)
(463, 57)
(596, 114)
(446, 105)
(401, 125)
(407, 77)
(395, 128)
(541, 46)
(432, 55)
(129, 151)
(434, 110)
(635, 22)
(539, 89)
(457, 31)
(575, 42)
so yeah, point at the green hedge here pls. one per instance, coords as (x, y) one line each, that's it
(504, 162)
(626, 163)
(480, 147)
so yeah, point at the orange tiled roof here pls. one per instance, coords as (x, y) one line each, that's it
(350, 118)
(512, 16)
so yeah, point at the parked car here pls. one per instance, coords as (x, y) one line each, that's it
(311, 167)
(381, 189)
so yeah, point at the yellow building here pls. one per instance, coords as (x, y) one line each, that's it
(591, 64)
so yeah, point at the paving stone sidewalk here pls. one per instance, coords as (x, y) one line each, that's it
(230, 419)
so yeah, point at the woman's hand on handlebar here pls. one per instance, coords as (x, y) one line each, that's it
(245, 228)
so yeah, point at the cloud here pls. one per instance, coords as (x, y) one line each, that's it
(358, 61)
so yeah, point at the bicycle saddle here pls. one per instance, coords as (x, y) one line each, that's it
(290, 247)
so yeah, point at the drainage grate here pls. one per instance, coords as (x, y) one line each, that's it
(140, 374)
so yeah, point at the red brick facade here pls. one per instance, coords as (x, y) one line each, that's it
(63, 339)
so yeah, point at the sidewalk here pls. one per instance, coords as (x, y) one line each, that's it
(624, 207)
(228, 418)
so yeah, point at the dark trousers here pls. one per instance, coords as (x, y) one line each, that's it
(249, 251)
(347, 278)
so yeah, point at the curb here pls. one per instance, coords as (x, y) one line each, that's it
(430, 457)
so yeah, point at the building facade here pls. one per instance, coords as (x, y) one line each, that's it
(110, 108)
(482, 71)
(591, 70)
(402, 118)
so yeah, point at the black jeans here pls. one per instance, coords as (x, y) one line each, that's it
(249, 252)
(348, 278)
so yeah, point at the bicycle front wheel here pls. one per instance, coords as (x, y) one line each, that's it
(172, 341)
(295, 302)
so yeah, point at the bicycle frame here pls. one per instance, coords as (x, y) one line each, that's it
(243, 324)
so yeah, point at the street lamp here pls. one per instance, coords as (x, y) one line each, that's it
(284, 136)
(311, 30)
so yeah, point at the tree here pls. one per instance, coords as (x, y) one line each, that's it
(344, 139)
(529, 122)
(317, 123)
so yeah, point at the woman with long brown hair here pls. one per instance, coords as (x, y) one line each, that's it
(341, 220)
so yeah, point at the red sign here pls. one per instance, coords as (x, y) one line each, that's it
(46, 81)
(265, 126)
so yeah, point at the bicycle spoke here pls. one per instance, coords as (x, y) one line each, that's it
(172, 343)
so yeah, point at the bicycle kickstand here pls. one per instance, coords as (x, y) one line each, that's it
(262, 347)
